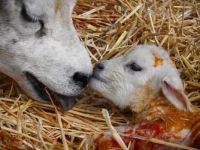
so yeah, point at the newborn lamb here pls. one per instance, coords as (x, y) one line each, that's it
(147, 82)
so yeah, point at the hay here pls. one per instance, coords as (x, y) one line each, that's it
(109, 28)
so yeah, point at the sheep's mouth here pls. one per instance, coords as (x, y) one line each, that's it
(98, 77)
(64, 101)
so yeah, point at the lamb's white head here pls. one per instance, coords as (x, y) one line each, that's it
(39, 48)
(135, 79)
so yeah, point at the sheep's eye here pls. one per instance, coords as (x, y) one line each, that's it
(134, 67)
(33, 19)
(28, 17)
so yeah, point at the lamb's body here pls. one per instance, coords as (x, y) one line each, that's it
(159, 120)
(155, 93)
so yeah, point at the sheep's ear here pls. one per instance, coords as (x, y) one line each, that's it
(175, 95)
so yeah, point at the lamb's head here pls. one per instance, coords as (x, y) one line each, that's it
(40, 48)
(138, 78)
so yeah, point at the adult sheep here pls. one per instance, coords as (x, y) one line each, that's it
(40, 49)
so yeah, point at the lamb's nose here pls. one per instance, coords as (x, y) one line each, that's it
(99, 66)
(81, 78)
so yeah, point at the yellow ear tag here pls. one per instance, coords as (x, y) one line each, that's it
(157, 62)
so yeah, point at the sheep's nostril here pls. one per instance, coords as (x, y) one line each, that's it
(81, 78)
(99, 66)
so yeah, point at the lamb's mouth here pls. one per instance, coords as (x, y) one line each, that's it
(97, 77)
(64, 101)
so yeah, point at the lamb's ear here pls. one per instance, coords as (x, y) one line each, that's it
(175, 94)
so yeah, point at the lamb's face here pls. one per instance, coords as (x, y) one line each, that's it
(117, 78)
(125, 80)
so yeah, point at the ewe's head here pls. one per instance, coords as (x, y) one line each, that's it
(137, 78)
(39, 47)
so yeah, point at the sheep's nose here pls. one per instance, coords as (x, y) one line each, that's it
(81, 78)
(99, 66)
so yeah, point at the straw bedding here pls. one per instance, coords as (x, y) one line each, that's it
(109, 28)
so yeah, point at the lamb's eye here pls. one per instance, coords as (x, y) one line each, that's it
(133, 66)
(27, 17)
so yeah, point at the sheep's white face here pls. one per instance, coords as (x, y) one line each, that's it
(39, 48)
(123, 79)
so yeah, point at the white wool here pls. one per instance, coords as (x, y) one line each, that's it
(52, 58)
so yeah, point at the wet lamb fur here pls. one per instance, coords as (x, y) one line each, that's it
(139, 82)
